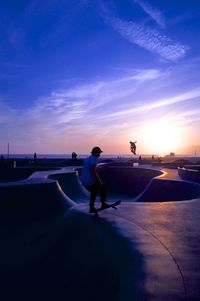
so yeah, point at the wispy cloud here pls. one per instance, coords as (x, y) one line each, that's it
(99, 110)
(95, 101)
(149, 74)
(150, 39)
(72, 111)
(156, 104)
(153, 12)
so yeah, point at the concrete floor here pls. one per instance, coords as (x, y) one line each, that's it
(142, 251)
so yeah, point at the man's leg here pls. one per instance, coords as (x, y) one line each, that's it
(94, 189)
(93, 193)
(102, 192)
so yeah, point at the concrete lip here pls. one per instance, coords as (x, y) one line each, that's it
(135, 185)
(141, 184)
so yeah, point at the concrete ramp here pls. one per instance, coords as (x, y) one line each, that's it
(128, 182)
(162, 190)
(71, 186)
(38, 198)
(189, 174)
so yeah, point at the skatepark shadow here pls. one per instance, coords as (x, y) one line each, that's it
(88, 260)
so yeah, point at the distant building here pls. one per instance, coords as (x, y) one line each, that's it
(170, 155)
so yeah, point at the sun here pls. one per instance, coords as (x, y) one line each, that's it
(161, 137)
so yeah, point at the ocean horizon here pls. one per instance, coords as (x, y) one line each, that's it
(64, 156)
(82, 156)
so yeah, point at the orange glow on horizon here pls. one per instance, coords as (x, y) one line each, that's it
(160, 137)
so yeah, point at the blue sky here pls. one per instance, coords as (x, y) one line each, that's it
(75, 74)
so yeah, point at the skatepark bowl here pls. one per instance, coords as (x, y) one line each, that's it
(125, 183)
(144, 185)
(53, 249)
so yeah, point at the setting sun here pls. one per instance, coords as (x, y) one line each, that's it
(161, 137)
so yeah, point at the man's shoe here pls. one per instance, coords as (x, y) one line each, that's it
(104, 206)
(92, 210)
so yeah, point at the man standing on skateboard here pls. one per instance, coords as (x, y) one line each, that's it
(91, 180)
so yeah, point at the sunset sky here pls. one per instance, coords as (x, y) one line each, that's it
(80, 73)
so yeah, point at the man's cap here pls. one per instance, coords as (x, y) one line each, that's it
(96, 149)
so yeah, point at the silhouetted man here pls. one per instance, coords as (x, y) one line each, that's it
(91, 180)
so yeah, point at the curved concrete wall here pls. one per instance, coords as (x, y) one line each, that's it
(162, 190)
(71, 186)
(189, 174)
(127, 181)
(20, 173)
(32, 198)
(135, 184)
(62, 189)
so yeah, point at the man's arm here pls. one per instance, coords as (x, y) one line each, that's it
(94, 172)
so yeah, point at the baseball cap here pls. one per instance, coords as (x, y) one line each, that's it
(96, 149)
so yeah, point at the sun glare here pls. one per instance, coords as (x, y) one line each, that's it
(161, 137)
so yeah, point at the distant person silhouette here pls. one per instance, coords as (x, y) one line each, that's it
(91, 180)
(34, 158)
(133, 147)
(74, 156)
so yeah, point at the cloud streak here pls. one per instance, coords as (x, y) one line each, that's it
(73, 111)
(97, 101)
(149, 39)
(156, 104)
(153, 12)
(100, 110)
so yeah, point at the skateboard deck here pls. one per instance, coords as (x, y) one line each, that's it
(112, 205)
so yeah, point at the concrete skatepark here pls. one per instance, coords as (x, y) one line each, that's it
(148, 249)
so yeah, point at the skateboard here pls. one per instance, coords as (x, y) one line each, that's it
(112, 205)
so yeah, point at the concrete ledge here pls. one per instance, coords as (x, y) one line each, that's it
(163, 190)
(40, 197)
(128, 181)
(71, 186)
(189, 174)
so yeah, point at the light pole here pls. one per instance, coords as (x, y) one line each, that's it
(8, 150)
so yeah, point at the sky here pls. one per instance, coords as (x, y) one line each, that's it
(79, 73)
